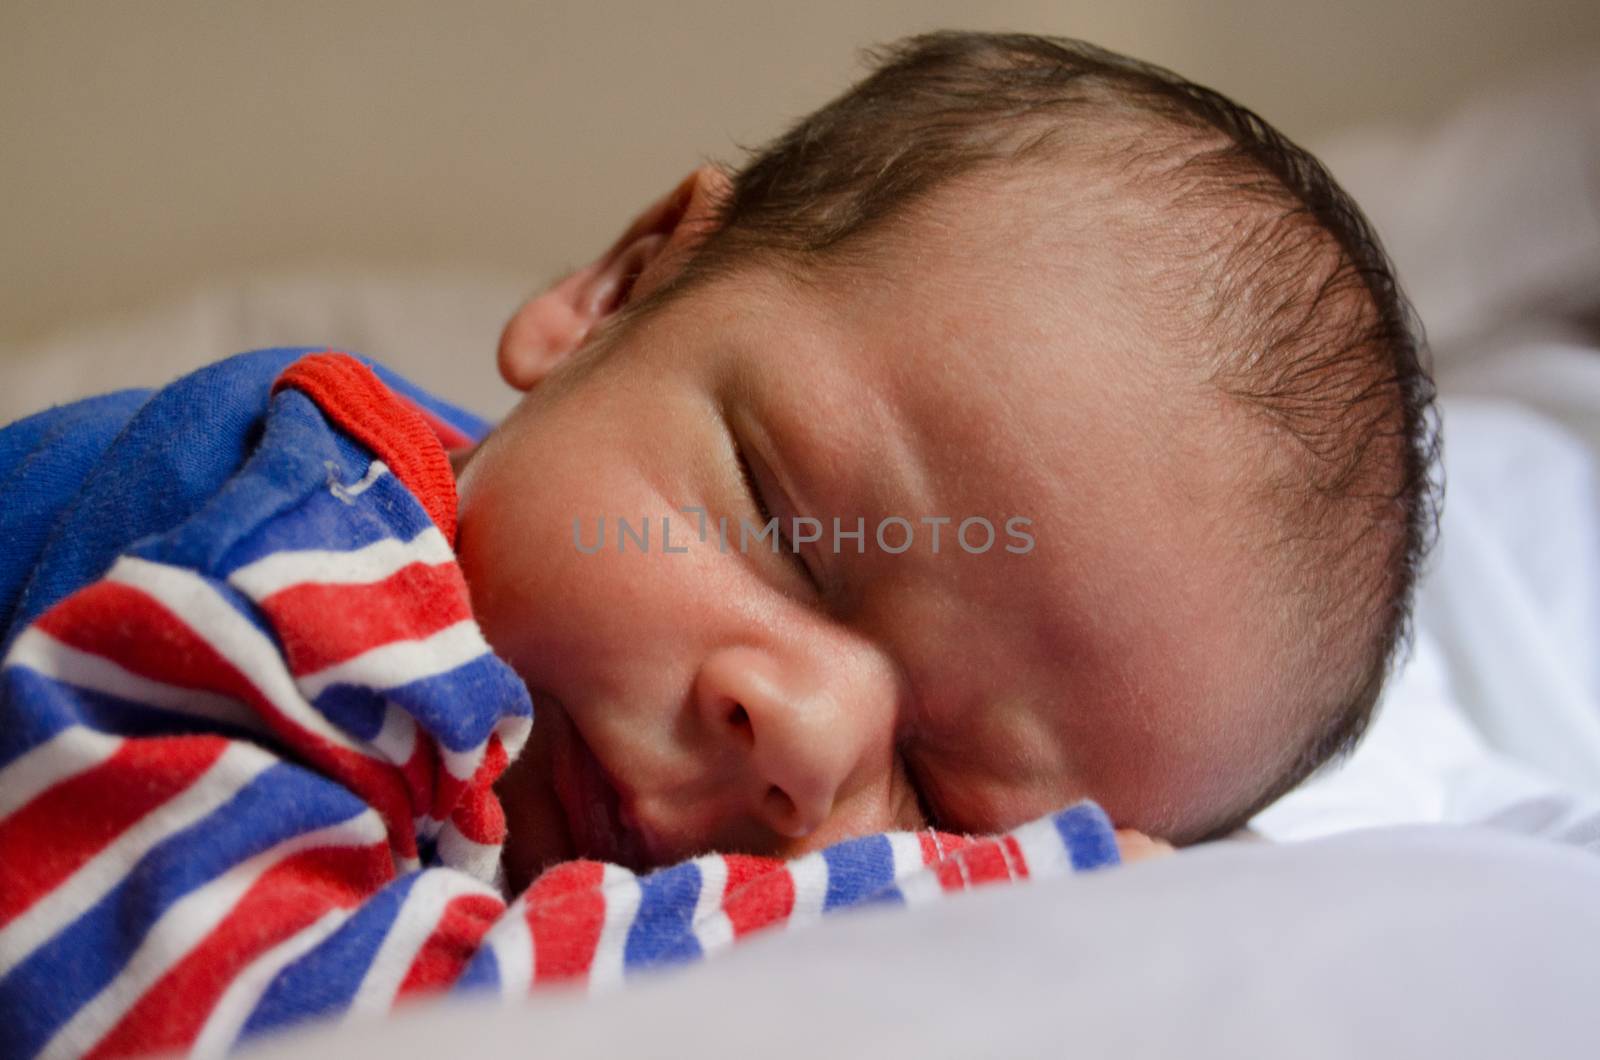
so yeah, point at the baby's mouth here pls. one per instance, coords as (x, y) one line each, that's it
(595, 813)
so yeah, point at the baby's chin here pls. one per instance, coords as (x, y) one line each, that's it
(537, 834)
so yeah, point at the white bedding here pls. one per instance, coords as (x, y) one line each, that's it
(1397, 942)
(1496, 717)
(1494, 218)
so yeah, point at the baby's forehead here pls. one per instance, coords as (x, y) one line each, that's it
(1221, 334)
(1014, 376)
(1077, 251)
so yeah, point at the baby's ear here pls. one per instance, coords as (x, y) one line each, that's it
(555, 322)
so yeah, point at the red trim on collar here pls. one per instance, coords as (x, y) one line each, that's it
(394, 429)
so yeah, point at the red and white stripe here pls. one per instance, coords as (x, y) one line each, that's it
(71, 751)
(810, 876)
(359, 566)
(198, 917)
(620, 888)
(328, 624)
(511, 940)
(419, 916)
(53, 909)
(1041, 850)
(476, 859)
(52, 657)
(396, 663)
(567, 911)
(232, 1010)
(712, 928)
(917, 885)
(65, 827)
(265, 682)
(194, 602)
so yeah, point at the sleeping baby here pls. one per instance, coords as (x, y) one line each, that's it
(1027, 444)
(1104, 411)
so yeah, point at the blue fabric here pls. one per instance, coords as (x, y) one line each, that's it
(43, 461)
(81, 483)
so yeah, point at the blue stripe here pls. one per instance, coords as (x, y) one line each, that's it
(61, 976)
(482, 973)
(358, 711)
(663, 928)
(857, 868)
(326, 979)
(36, 709)
(1089, 837)
(53, 706)
(461, 707)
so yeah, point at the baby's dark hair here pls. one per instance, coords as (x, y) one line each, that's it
(1281, 292)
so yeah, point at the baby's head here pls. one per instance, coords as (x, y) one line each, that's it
(1134, 362)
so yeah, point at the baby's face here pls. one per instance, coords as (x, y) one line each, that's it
(708, 697)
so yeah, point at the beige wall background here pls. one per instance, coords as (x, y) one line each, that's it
(149, 147)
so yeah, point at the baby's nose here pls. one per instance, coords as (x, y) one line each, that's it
(794, 742)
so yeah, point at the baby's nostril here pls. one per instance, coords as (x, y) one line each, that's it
(739, 718)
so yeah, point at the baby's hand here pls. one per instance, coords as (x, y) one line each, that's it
(1136, 846)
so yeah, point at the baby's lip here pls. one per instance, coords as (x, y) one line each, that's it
(602, 823)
